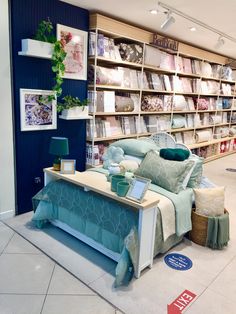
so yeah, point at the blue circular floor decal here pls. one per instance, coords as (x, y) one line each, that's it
(178, 261)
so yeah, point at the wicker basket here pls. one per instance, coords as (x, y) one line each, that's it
(198, 234)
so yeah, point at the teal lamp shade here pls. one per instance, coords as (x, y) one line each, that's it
(58, 147)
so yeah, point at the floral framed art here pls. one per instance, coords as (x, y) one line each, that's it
(75, 43)
(36, 111)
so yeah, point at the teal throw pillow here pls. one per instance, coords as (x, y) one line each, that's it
(135, 147)
(167, 174)
(177, 154)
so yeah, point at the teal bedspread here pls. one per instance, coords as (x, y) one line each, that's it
(101, 219)
(182, 203)
(183, 207)
(104, 220)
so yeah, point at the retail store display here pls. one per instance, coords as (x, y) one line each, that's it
(188, 93)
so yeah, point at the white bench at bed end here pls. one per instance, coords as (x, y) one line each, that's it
(147, 212)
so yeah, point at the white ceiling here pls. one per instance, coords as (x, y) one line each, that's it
(219, 14)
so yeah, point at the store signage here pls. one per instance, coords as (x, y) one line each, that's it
(180, 304)
(165, 42)
(178, 261)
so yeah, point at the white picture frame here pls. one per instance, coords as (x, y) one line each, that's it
(138, 188)
(34, 115)
(68, 166)
(75, 43)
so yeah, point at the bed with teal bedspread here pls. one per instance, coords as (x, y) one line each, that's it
(114, 225)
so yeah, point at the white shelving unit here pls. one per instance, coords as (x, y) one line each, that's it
(120, 31)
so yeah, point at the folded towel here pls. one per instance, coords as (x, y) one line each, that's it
(218, 231)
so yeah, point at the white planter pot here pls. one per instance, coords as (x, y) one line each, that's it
(75, 112)
(36, 47)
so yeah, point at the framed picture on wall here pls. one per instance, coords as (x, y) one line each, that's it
(75, 44)
(36, 111)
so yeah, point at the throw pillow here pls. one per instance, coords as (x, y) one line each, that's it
(177, 154)
(135, 147)
(167, 174)
(196, 176)
(129, 165)
(209, 202)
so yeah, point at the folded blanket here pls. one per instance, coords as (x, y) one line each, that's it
(183, 207)
(167, 210)
(218, 231)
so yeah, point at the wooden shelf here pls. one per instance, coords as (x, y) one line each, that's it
(110, 138)
(115, 113)
(154, 112)
(214, 141)
(219, 156)
(159, 70)
(119, 62)
(98, 86)
(181, 130)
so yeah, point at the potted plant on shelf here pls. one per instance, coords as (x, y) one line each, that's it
(73, 107)
(42, 44)
(46, 45)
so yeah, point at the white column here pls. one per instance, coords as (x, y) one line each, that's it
(7, 189)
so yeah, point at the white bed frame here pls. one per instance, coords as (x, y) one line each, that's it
(147, 212)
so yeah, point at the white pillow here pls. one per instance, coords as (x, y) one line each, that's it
(210, 202)
(129, 165)
(130, 157)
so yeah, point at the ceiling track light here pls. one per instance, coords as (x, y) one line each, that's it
(168, 22)
(195, 21)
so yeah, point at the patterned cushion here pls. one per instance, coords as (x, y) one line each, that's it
(196, 176)
(152, 103)
(131, 52)
(167, 174)
(209, 202)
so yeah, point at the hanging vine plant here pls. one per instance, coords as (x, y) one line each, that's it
(45, 33)
(58, 66)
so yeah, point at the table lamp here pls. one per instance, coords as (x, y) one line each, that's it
(58, 147)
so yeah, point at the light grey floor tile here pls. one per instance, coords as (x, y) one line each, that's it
(25, 273)
(21, 304)
(80, 259)
(206, 261)
(76, 305)
(151, 292)
(18, 244)
(212, 303)
(5, 235)
(225, 283)
(64, 283)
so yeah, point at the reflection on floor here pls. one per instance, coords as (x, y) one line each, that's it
(25, 270)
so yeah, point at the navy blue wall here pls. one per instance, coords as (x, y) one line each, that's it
(32, 146)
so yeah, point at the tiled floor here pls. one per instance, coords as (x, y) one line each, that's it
(24, 270)
(32, 283)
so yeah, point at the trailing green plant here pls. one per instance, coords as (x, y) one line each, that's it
(58, 66)
(70, 102)
(45, 32)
